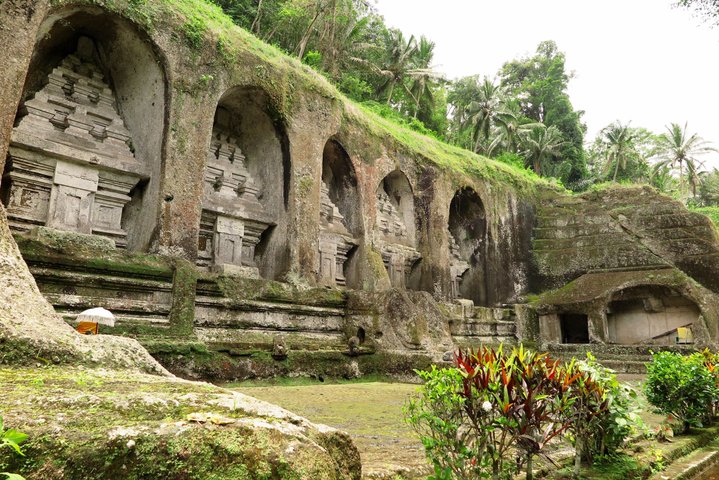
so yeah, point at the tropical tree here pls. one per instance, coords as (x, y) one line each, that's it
(678, 149)
(617, 147)
(423, 75)
(709, 189)
(486, 110)
(540, 145)
(538, 84)
(398, 63)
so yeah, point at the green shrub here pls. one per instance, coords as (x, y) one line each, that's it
(437, 415)
(604, 411)
(474, 417)
(12, 439)
(682, 387)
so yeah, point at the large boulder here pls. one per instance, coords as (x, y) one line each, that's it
(100, 407)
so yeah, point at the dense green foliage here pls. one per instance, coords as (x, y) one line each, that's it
(603, 430)
(681, 386)
(475, 417)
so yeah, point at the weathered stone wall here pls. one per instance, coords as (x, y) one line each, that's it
(168, 90)
(621, 228)
(258, 167)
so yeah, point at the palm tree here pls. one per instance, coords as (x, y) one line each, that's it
(617, 146)
(423, 76)
(540, 145)
(677, 148)
(512, 127)
(487, 110)
(348, 47)
(398, 63)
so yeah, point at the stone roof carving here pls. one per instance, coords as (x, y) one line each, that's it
(75, 115)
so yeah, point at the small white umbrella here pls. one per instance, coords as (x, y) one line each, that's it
(97, 315)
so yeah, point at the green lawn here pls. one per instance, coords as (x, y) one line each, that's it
(370, 412)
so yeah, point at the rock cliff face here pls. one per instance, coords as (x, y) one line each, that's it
(223, 199)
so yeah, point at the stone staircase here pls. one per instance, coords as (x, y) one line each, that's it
(473, 326)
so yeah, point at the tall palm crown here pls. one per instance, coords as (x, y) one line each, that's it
(618, 146)
(398, 63)
(423, 75)
(540, 145)
(487, 110)
(678, 149)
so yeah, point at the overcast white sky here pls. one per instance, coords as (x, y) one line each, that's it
(638, 60)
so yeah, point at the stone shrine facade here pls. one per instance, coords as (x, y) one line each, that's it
(335, 241)
(398, 253)
(233, 219)
(457, 266)
(71, 165)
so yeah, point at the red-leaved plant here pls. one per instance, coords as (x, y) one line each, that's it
(516, 400)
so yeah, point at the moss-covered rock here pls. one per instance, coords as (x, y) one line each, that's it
(91, 424)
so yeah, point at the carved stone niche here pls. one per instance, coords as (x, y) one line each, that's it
(335, 241)
(457, 266)
(70, 163)
(398, 252)
(233, 219)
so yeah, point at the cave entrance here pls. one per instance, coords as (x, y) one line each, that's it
(574, 328)
(652, 315)
(467, 243)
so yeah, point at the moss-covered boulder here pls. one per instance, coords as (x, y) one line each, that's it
(92, 424)
(100, 407)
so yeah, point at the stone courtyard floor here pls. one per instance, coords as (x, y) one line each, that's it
(370, 412)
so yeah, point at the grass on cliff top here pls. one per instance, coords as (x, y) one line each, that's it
(711, 212)
(203, 24)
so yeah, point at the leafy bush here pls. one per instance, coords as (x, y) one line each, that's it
(472, 418)
(681, 386)
(438, 416)
(604, 411)
(12, 439)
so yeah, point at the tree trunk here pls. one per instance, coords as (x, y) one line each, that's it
(616, 170)
(537, 167)
(391, 90)
(255, 28)
(308, 33)
(577, 456)
(530, 473)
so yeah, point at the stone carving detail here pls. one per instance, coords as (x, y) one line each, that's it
(335, 241)
(398, 252)
(457, 266)
(233, 219)
(70, 164)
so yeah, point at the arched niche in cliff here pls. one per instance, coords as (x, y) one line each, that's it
(340, 218)
(244, 222)
(86, 149)
(467, 236)
(651, 314)
(396, 230)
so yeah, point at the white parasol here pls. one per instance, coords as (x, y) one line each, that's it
(97, 315)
